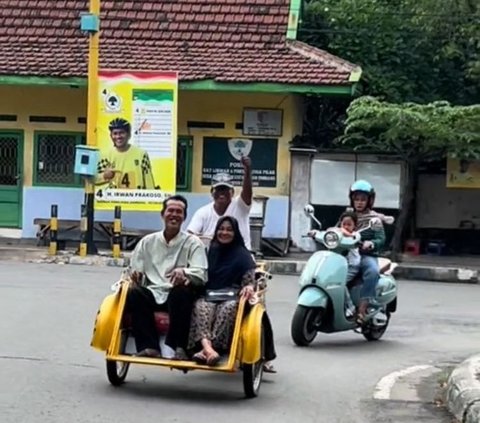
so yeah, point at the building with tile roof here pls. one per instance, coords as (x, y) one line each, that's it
(222, 41)
(230, 55)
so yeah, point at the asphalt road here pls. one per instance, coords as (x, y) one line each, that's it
(48, 372)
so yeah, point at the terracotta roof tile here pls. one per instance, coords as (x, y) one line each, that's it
(225, 40)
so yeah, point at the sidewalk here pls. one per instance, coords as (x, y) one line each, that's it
(429, 268)
(463, 391)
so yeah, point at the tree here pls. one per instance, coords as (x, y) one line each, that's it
(323, 121)
(410, 50)
(414, 133)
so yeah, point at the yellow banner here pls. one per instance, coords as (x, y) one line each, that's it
(463, 173)
(137, 139)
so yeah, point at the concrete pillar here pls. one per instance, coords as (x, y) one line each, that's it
(300, 224)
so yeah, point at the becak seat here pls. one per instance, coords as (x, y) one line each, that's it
(162, 321)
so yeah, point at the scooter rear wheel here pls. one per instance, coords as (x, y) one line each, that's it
(372, 333)
(305, 323)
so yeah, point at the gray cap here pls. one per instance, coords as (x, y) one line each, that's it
(222, 180)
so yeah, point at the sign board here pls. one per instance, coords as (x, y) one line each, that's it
(463, 173)
(222, 155)
(262, 122)
(142, 175)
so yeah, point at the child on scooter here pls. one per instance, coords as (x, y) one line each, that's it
(348, 223)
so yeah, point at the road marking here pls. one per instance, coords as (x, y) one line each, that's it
(386, 383)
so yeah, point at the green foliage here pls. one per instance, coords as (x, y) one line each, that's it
(414, 132)
(410, 50)
(324, 119)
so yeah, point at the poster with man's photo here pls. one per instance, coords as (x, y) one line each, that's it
(137, 132)
(463, 173)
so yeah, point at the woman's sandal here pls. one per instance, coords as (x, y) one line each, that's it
(212, 359)
(269, 368)
(200, 358)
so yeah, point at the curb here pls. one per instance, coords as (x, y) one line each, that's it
(279, 267)
(463, 391)
(403, 271)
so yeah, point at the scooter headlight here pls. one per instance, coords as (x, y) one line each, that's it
(331, 239)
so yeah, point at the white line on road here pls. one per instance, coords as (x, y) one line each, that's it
(384, 387)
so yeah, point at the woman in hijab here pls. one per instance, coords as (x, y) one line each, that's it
(231, 268)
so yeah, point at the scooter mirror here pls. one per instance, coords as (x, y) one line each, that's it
(309, 210)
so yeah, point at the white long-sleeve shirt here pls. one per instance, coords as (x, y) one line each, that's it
(156, 259)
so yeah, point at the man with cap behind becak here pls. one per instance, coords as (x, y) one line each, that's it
(224, 203)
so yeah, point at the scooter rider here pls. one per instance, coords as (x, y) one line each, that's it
(362, 198)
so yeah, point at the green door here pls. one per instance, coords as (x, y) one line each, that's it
(11, 159)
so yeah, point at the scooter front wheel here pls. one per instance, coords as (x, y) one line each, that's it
(305, 323)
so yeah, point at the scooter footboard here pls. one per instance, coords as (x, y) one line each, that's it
(313, 296)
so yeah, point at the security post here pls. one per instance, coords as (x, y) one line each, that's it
(52, 248)
(90, 23)
(117, 229)
(86, 161)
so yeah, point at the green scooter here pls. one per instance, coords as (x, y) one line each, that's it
(322, 301)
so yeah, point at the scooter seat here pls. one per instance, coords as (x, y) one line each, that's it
(162, 321)
(384, 264)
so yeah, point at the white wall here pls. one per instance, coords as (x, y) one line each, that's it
(325, 179)
(332, 176)
(442, 207)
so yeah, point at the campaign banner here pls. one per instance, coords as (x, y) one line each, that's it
(137, 139)
(463, 173)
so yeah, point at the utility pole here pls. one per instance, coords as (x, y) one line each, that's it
(92, 25)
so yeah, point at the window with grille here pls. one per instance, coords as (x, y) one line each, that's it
(9, 153)
(184, 163)
(55, 158)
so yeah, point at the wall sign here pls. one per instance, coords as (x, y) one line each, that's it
(266, 122)
(463, 173)
(222, 155)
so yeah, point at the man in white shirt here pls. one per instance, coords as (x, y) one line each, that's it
(168, 267)
(224, 203)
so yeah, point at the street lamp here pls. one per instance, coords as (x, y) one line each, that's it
(90, 23)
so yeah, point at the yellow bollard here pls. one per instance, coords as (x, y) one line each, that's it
(117, 229)
(52, 248)
(82, 251)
